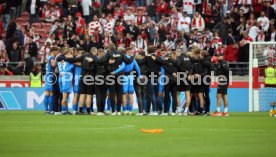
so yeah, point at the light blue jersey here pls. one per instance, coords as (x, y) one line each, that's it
(77, 75)
(49, 76)
(128, 87)
(65, 78)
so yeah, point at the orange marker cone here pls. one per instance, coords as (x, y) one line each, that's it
(152, 131)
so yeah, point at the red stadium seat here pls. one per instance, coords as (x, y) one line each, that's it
(132, 9)
(141, 8)
(44, 34)
(25, 15)
(24, 24)
(41, 43)
(142, 14)
(20, 19)
(37, 25)
(46, 26)
(41, 30)
(3, 35)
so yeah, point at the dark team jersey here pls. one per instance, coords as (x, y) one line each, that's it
(222, 71)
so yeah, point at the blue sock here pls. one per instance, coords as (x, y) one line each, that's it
(46, 103)
(130, 108)
(64, 108)
(51, 102)
(127, 104)
(124, 108)
(108, 104)
(75, 107)
(84, 108)
(145, 104)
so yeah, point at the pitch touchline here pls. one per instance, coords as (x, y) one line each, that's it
(226, 130)
(50, 122)
(62, 129)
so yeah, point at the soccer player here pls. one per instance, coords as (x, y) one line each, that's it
(210, 67)
(222, 71)
(115, 90)
(153, 67)
(116, 61)
(86, 88)
(50, 69)
(76, 82)
(183, 64)
(128, 84)
(171, 87)
(100, 84)
(199, 71)
(65, 80)
(140, 89)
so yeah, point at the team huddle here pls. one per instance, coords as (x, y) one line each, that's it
(157, 77)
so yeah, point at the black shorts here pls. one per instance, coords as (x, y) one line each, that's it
(197, 88)
(86, 89)
(183, 87)
(206, 88)
(222, 89)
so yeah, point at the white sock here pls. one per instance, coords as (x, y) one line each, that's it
(225, 110)
(178, 109)
(186, 109)
(218, 109)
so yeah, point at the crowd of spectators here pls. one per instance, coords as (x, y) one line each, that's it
(29, 28)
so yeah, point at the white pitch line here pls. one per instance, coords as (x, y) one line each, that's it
(62, 129)
(51, 122)
(225, 130)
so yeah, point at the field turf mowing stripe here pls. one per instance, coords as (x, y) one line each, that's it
(33, 134)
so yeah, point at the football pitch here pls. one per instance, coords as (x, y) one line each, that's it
(33, 134)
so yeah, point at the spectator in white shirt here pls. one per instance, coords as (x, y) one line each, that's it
(129, 17)
(108, 26)
(52, 14)
(95, 24)
(245, 2)
(44, 51)
(198, 22)
(33, 9)
(254, 31)
(169, 43)
(264, 21)
(86, 4)
(141, 44)
(2, 45)
(184, 23)
(189, 7)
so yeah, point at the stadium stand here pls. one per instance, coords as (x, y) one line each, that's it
(225, 27)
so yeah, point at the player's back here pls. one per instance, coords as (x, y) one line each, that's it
(49, 67)
(77, 70)
(49, 77)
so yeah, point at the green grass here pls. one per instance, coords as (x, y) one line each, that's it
(33, 134)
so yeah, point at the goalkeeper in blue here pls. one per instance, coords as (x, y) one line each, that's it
(76, 81)
(128, 81)
(49, 81)
(65, 80)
